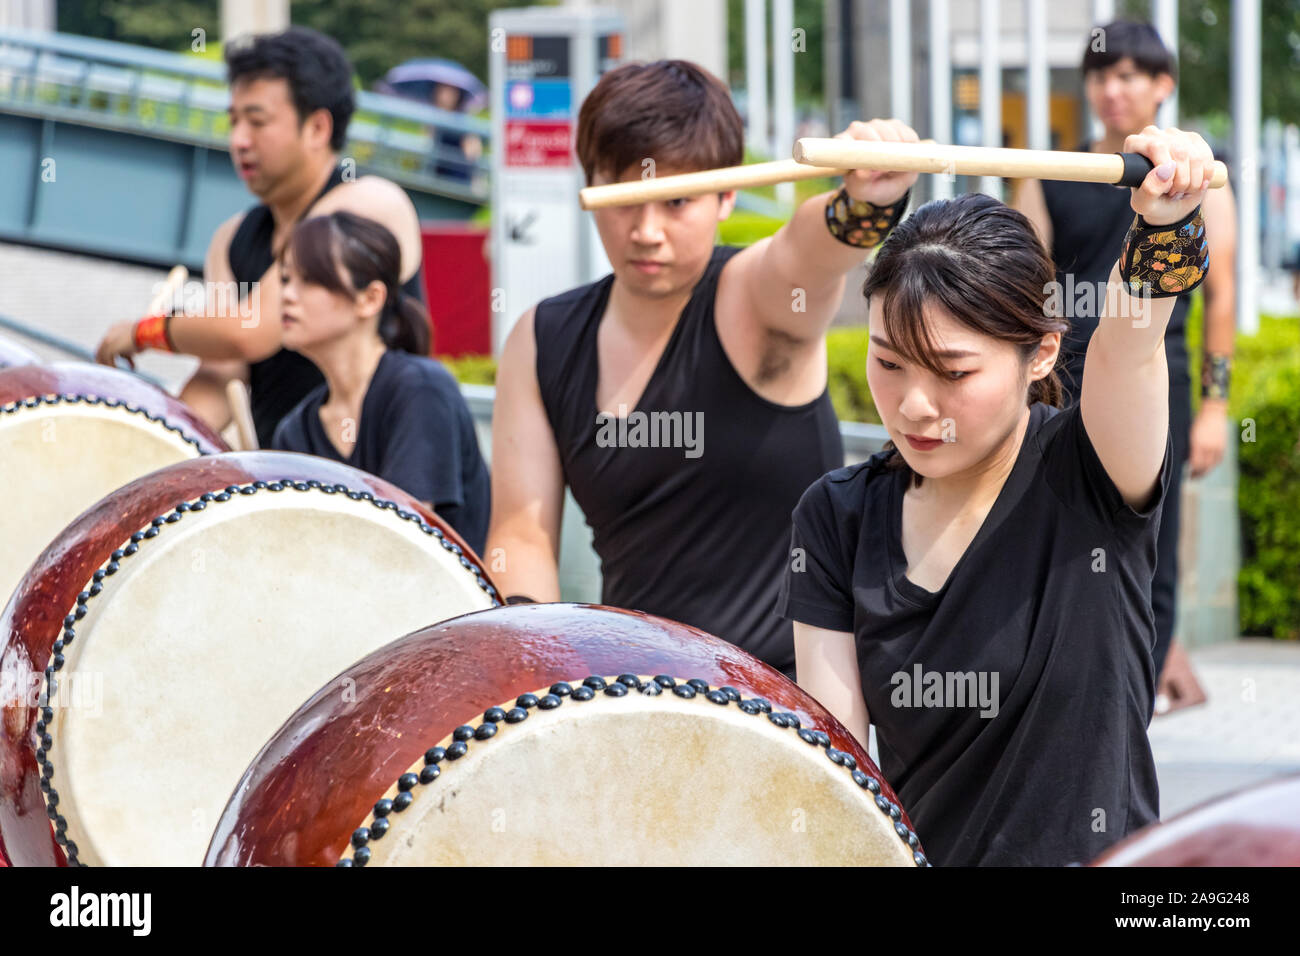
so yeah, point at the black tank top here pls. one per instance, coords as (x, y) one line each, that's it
(700, 532)
(1089, 222)
(278, 383)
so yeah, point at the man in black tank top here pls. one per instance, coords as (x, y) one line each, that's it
(1083, 226)
(683, 398)
(291, 99)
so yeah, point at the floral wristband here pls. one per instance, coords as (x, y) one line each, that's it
(1163, 261)
(858, 223)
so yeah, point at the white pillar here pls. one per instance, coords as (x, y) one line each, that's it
(1245, 145)
(1165, 15)
(783, 88)
(756, 75)
(243, 17)
(1103, 12)
(1038, 80)
(990, 89)
(940, 92)
(900, 60)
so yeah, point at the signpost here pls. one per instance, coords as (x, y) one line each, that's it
(543, 62)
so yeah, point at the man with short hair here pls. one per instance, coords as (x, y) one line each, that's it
(1083, 225)
(291, 99)
(727, 346)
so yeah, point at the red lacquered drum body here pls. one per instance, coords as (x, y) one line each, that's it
(253, 537)
(319, 778)
(1258, 826)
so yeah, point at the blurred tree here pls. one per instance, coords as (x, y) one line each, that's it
(1205, 56)
(166, 24)
(809, 16)
(379, 34)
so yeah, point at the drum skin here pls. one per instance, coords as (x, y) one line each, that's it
(23, 382)
(33, 620)
(1257, 826)
(316, 780)
(11, 353)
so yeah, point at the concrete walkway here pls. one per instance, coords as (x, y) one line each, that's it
(1248, 730)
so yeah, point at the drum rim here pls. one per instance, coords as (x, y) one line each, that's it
(151, 530)
(53, 399)
(400, 795)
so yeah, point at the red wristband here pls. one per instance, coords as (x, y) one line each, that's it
(151, 333)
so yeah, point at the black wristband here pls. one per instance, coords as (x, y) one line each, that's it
(1163, 261)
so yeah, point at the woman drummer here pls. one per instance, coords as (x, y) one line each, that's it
(386, 407)
(980, 590)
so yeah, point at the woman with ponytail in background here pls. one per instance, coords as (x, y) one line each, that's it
(386, 407)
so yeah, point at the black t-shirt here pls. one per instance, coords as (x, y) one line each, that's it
(1089, 222)
(1052, 598)
(279, 382)
(415, 431)
(688, 496)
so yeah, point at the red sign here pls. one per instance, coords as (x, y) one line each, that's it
(539, 143)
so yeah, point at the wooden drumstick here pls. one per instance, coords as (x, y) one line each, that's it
(175, 279)
(702, 183)
(1120, 169)
(242, 414)
(815, 158)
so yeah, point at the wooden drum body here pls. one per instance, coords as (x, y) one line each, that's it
(1258, 826)
(69, 435)
(562, 734)
(176, 624)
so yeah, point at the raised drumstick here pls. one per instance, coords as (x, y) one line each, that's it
(1120, 169)
(815, 158)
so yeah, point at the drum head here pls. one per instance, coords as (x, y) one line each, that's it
(63, 457)
(656, 775)
(206, 632)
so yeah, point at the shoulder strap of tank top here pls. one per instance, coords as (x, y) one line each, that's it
(250, 253)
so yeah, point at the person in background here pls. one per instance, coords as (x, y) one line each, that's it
(385, 406)
(1083, 224)
(291, 100)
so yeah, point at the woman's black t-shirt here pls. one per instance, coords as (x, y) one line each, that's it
(415, 431)
(1011, 706)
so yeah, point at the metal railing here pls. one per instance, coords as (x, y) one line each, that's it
(184, 98)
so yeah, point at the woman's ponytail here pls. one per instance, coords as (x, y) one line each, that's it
(405, 324)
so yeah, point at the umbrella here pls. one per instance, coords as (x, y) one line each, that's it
(415, 80)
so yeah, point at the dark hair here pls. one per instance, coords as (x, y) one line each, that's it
(344, 252)
(1138, 41)
(314, 65)
(983, 264)
(670, 111)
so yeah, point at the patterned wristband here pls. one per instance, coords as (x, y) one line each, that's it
(1163, 261)
(151, 333)
(1216, 371)
(858, 223)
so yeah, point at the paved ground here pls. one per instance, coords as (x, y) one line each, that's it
(1249, 729)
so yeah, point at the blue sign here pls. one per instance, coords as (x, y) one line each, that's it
(539, 99)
